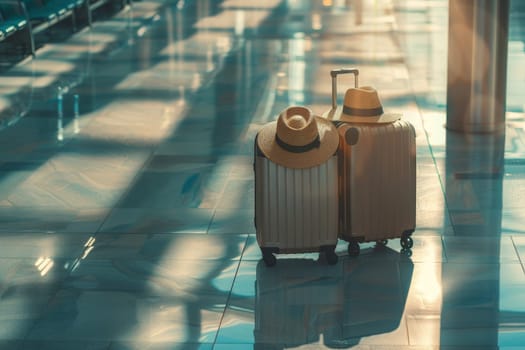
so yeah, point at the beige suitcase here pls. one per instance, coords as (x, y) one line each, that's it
(377, 179)
(296, 210)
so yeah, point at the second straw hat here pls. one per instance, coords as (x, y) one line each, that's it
(362, 105)
(298, 139)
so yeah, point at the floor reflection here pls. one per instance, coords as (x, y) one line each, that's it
(303, 302)
(474, 178)
(134, 228)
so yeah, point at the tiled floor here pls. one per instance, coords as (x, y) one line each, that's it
(129, 225)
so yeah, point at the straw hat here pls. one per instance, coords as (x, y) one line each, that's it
(362, 105)
(298, 139)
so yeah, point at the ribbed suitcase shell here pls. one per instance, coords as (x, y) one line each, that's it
(377, 180)
(296, 210)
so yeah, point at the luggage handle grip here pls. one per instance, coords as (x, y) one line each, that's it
(334, 73)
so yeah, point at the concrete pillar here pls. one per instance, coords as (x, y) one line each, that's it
(477, 65)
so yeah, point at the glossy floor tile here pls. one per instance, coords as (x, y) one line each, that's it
(127, 189)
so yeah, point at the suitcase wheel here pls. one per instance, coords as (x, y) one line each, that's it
(270, 260)
(268, 256)
(353, 248)
(407, 242)
(331, 258)
(330, 255)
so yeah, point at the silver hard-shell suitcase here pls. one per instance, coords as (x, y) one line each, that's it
(377, 179)
(296, 210)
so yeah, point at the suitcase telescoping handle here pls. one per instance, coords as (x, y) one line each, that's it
(334, 73)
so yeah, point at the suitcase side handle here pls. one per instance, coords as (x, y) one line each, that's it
(334, 73)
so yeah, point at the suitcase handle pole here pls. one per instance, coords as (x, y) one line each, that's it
(334, 73)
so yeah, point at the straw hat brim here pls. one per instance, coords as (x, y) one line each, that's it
(329, 141)
(380, 119)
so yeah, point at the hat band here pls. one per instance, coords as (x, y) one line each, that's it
(316, 143)
(362, 112)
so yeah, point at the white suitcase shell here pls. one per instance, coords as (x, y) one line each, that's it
(296, 210)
